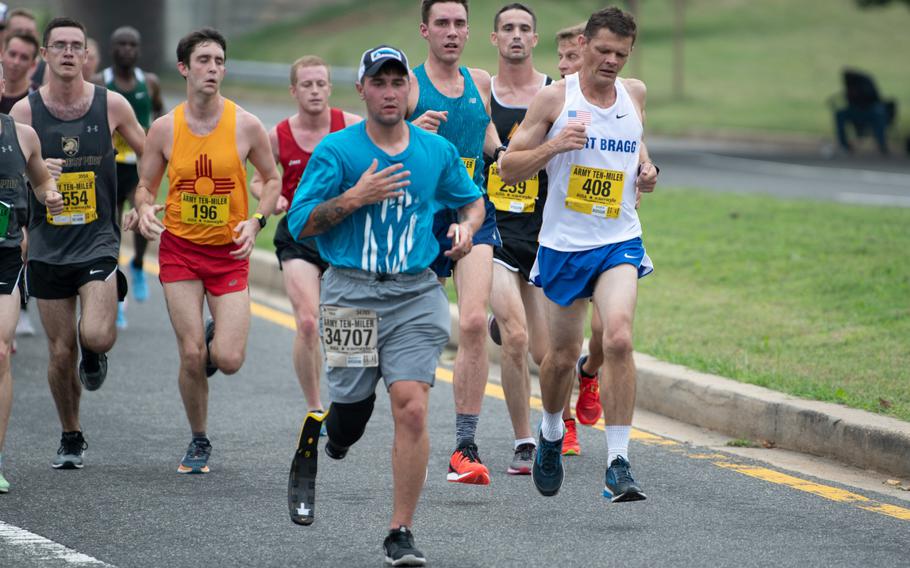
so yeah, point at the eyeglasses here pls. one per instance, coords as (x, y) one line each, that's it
(61, 46)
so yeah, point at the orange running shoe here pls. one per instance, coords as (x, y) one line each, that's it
(587, 407)
(465, 467)
(570, 446)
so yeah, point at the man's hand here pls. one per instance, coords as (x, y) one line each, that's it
(647, 177)
(281, 206)
(573, 137)
(462, 240)
(144, 219)
(431, 119)
(54, 166)
(245, 239)
(53, 201)
(374, 187)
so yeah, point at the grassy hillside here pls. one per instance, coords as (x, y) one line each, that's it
(755, 66)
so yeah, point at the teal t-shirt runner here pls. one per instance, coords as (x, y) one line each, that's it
(394, 236)
(466, 126)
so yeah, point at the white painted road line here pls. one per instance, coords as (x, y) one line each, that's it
(33, 547)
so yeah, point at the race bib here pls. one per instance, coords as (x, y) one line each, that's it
(593, 191)
(349, 336)
(5, 209)
(469, 164)
(125, 153)
(518, 198)
(198, 209)
(79, 206)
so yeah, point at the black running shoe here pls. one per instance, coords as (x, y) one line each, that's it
(400, 550)
(93, 380)
(210, 369)
(335, 451)
(619, 485)
(69, 454)
(547, 472)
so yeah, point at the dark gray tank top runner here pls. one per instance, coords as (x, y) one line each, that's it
(87, 150)
(12, 182)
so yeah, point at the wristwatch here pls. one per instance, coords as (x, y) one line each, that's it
(498, 151)
(262, 219)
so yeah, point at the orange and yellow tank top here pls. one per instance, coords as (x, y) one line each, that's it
(207, 198)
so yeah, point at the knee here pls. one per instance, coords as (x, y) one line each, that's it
(193, 355)
(307, 326)
(61, 352)
(100, 341)
(563, 357)
(472, 324)
(230, 362)
(5, 351)
(514, 337)
(618, 343)
(411, 415)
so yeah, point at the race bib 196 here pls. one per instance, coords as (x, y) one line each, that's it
(349, 336)
(594, 191)
(469, 164)
(79, 205)
(198, 209)
(518, 198)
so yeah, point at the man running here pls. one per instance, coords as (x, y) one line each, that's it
(369, 192)
(517, 307)
(206, 238)
(454, 102)
(21, 156)
(74, 254)
(587, 131)
(293, 141)
(143, 91)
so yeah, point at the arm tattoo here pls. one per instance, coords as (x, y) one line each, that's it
(326, 215)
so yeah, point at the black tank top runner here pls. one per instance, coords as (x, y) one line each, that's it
(523, 226)
(12, 180)
(85, 146)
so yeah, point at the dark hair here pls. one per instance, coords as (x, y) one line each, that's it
(24, 36)
(62, 23)
(20, 12)
(203, 35)
(619, 22)
(425, 6)
(515, 6)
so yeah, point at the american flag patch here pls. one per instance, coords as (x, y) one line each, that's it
(582, 117)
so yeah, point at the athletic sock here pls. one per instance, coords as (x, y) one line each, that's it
(552, 426)
(617, 442)
(520, 441)
(200, 435)
(465, 428)
(584, 373)
(90, 360)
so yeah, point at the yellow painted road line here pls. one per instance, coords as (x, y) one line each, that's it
(724, 461)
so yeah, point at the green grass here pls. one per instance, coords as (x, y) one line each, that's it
(749, 66)
(807, 298)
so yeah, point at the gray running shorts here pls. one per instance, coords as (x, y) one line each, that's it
(413, 313)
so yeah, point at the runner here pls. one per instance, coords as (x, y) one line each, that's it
(517, 307)
(206, 239)
(143, 91)
(369, 192)
(293, 141)
(587, 130)
(454, 102)
(91, 59)
(23, 159)
(74, 254)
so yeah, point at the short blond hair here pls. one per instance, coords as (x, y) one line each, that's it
(309, 61)
(570, 33)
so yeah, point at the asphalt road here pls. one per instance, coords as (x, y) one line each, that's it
(129, 507)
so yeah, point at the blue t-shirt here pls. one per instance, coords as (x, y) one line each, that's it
(395, 235)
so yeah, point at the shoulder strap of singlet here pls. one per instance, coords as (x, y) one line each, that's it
(139, 74)
(337, 120)
(108, 75)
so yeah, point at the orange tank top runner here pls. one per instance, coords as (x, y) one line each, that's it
(207, 196)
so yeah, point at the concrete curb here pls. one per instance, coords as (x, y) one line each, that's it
(854, 437)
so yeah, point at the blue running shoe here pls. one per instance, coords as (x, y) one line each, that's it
(140, 286)
(197, 455)
(547, 471)
(619, 486)
(121, 315)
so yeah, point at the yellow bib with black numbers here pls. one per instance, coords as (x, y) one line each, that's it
(79, 205)
(198, 209)
(518, 198)
(594, 191)
(469, 164)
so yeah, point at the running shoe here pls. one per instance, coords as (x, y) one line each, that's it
(400, 550)
(69, 454)
(140, 286)
(4, 484)
(547, 472)
(587, 407)
(210, 368)
(493, 328)
(523, 460)
(466, 467)
(92, 381)
(24, 326)
(619, 485)
(570, 445)
(121, 316)
(197, 457)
